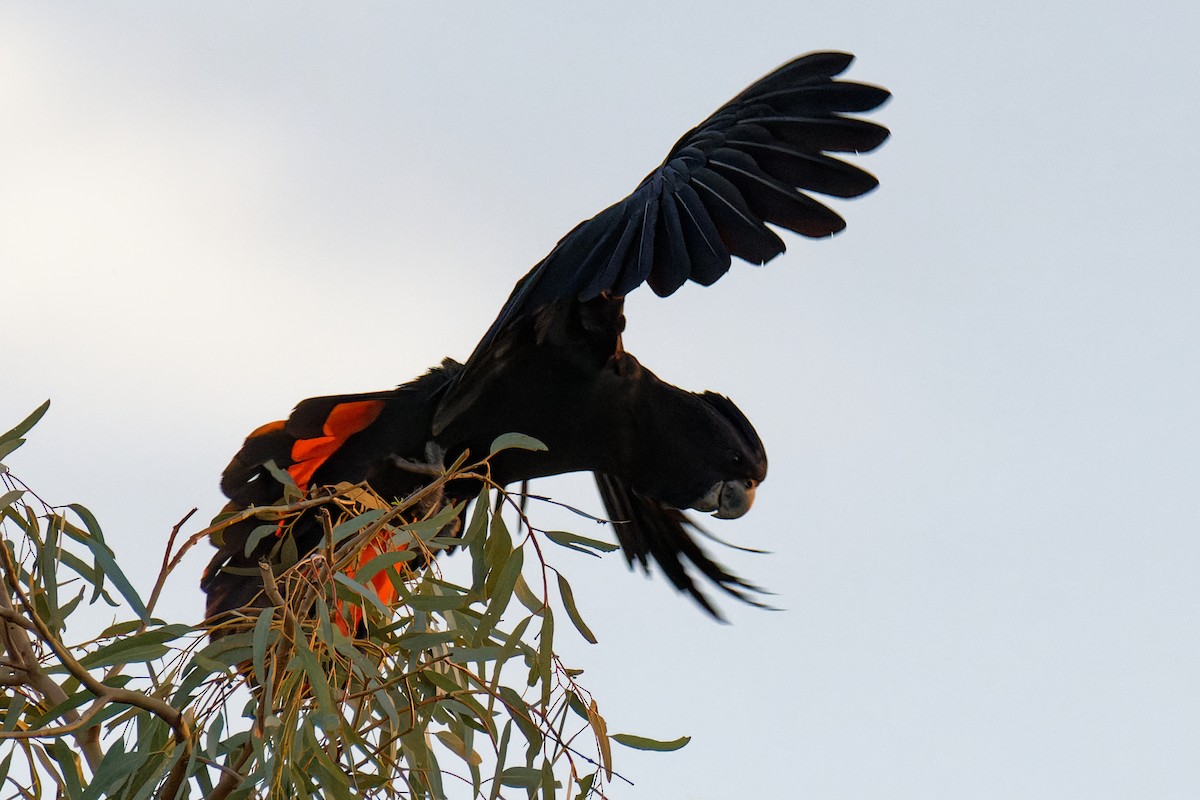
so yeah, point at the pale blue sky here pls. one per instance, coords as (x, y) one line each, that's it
(981, 402)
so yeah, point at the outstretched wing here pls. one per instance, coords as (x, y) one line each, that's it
(749, 164)
(752, 164)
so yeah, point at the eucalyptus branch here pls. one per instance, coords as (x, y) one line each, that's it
(16, 630)
(280, 511)
(168, 713)
(231, 778)
(272, 592)
(373, 710)
(81, 721)
(15, 678)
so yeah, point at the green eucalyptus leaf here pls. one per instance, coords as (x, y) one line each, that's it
(464, 655)
(291, 492)
(144, 647)
(68, 762)
(521, 777)
(585, 785)
(502, 591)
(528, 599)
(107, 563)
(72, 702)
(262, 637)
(519, 710)
(362, 591)
(345, 530)
(568, 598)
(12, 715)
(583, 544)
(116, 766)
(426, 640)
(367, 571)
(501, 757)
(515, 441)
(318, 679)
(644, 743)
(549, 785)
(9, 446)
(259, 533)
(434, 602)
(427, 529)
(10, 497)
(48, 572)
(544, 663)
(455, 744)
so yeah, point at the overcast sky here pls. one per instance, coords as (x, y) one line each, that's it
(981, 401)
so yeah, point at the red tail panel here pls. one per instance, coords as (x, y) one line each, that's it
(349, 619)
(344, 420)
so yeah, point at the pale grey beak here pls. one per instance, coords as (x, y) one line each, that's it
(728, 499)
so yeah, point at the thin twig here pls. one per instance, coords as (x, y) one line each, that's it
(167, 567)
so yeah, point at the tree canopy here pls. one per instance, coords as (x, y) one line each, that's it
(450, 690)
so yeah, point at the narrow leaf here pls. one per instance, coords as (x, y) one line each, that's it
(521, 777)
(473, 540)
(16, 704)
(515, 441)
(352, 526)
(426, 639)
(366, 572)
(259, 533)
(134, 649)
(528, 599)
(107, 563)
(68, 760)
(48, 567)
(581, 543)
(328, 719)
(456, 745)
(464, 655)
(7, 447)
(501, 755)
(26, 424)
(600, 728)
(262, 637)
(585, 786)
(502, 592)
(437, 602)
(291, 492)
(518, 709)
(643, 743)
(544, 664)
(367, 594)
(115, 768)
(549, 785)
(427, 529)
(568, 598)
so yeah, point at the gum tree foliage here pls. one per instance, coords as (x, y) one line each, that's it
(455, 690)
